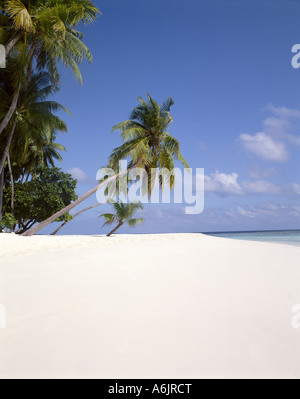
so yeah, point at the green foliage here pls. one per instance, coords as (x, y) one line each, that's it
(49, 27)
(7, 222)
(123, 215)
(147, 143)
(33, 143)
(38, 35)
(50, 191)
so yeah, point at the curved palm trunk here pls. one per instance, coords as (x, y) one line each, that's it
(115, 229)
(6, 151)
(11, 111)
(16, 96)
(30, 58)
(13, 42)
(44, 224)
(77, 214)
(1, 193)
(25, 227)
(12, 203)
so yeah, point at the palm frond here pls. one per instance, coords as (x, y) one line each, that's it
(135, 222)
(109, 219)
(146, 141)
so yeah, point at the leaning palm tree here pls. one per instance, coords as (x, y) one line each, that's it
(109, 194)
(73, 217)
(123, 215)
(147, 144)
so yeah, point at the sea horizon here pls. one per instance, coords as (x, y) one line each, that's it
(285, 236)
(291, 237)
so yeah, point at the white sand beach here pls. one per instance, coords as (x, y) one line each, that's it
(156, 306)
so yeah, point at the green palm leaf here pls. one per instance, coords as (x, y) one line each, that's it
(147, 143)
(123, 215)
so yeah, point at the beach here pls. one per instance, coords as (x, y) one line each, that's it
(148, 306)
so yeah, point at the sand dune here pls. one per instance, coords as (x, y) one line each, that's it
(165, 306)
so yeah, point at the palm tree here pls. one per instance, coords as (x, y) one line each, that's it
(123, 215)
(39, 19)
(47, 30)
(73, 217)
(35, 125)
(147, 144)
(107, 193)
(29, 140)
(42, 152)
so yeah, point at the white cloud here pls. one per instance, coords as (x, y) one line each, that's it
(280, 123)
(296, 188)
(243, 212)
(261, 187)
(227, 184)
(284, 112)
(269, 211)
(276, 126)
(265, 147)
(292, 139)
(279, 132)
(223, 184)
(78, 174)
(258, 172)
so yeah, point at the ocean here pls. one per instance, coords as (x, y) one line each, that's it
(291, 237)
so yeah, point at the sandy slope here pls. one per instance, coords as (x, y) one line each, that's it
(170, 306)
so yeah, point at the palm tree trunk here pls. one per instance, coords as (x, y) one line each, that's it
(30, 58)
(1, 193)
(12, 186)
(11, 111)
(6, 151)
(44, 224)
(26, 227)
(13, 42)
(115, 229)
(16, 96)
(77, 214)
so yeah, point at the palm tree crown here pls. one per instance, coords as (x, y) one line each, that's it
(147, 142)
(49, 27)
(123, 215)
(35, 126)
(42, 34)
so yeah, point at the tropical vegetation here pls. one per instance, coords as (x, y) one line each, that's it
(39, 36)
(146, 144)
(123, 215)
(37, 199)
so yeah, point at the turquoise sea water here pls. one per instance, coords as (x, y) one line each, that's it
(291, 237)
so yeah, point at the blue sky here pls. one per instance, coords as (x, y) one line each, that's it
(227, 64)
